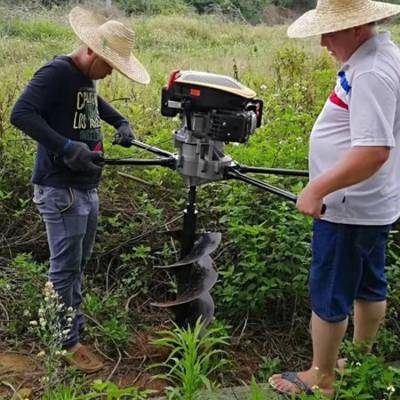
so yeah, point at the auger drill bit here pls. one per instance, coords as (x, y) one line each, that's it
(195, 272)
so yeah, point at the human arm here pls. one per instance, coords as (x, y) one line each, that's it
(28, 113)
(124, 135)
(358, 164)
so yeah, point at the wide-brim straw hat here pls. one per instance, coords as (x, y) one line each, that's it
(111, 40)
(336, 15)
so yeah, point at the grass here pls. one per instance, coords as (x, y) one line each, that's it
(162, 43)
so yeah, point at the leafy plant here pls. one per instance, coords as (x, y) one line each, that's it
(365, 377)
(368, 377)
(109, 391)
(21, 281)
(194, 357)
(61, 393)
(112, 327)
(259, 393)
(105, 390)
(268, 367)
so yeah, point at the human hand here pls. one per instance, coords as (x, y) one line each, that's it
(310, 203)
(79, 157)
(124, 135)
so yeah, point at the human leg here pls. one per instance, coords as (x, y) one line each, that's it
(370, 304)
(65, 213)
(87, 249)
(334, 279)
(368, 316)
(70, 217)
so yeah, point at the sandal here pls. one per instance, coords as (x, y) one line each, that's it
(293, 378)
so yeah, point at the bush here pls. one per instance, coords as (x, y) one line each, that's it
(151, 7)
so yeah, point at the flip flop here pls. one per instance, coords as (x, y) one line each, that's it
(294, 378)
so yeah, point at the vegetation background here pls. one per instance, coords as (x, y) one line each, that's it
(263, 261)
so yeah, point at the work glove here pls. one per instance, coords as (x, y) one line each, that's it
(124, 135)
(79, 157)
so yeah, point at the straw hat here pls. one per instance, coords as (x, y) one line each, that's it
(111, 40)
(336, 15)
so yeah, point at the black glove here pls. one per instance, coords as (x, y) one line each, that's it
(79, 157)
(124, 135)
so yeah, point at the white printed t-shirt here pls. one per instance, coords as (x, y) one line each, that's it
(363, 110)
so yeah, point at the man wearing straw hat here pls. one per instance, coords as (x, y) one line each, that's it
(61, 110)
(355, 170)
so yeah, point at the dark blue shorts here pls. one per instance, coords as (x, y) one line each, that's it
(348, 264)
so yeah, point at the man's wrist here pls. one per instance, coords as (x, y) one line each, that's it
(68, 144)
(317, 188)
(123, 122)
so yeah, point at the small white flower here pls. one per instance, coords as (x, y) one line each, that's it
(358, 364)
(48, 285)
(42, 322)
(41, 354)
(70, 309)
(26, 313)
(263, 88)
(391, 389)
(33, 323)
(65, 331)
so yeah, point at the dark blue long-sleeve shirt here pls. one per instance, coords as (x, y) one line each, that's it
(58, 104)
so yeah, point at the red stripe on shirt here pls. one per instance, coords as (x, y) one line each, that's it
(339, 102)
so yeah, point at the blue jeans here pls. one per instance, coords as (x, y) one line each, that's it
(70, 216)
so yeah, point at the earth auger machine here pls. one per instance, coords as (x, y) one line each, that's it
(214, 110)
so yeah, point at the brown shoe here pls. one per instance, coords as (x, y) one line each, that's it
(83, 359)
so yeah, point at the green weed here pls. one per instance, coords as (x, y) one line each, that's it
(98, 389)
(194, 357)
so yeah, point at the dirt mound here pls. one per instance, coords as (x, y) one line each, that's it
(15, 363)
(16, 370)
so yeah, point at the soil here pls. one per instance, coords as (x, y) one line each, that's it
(18, 373)
(22, 371)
